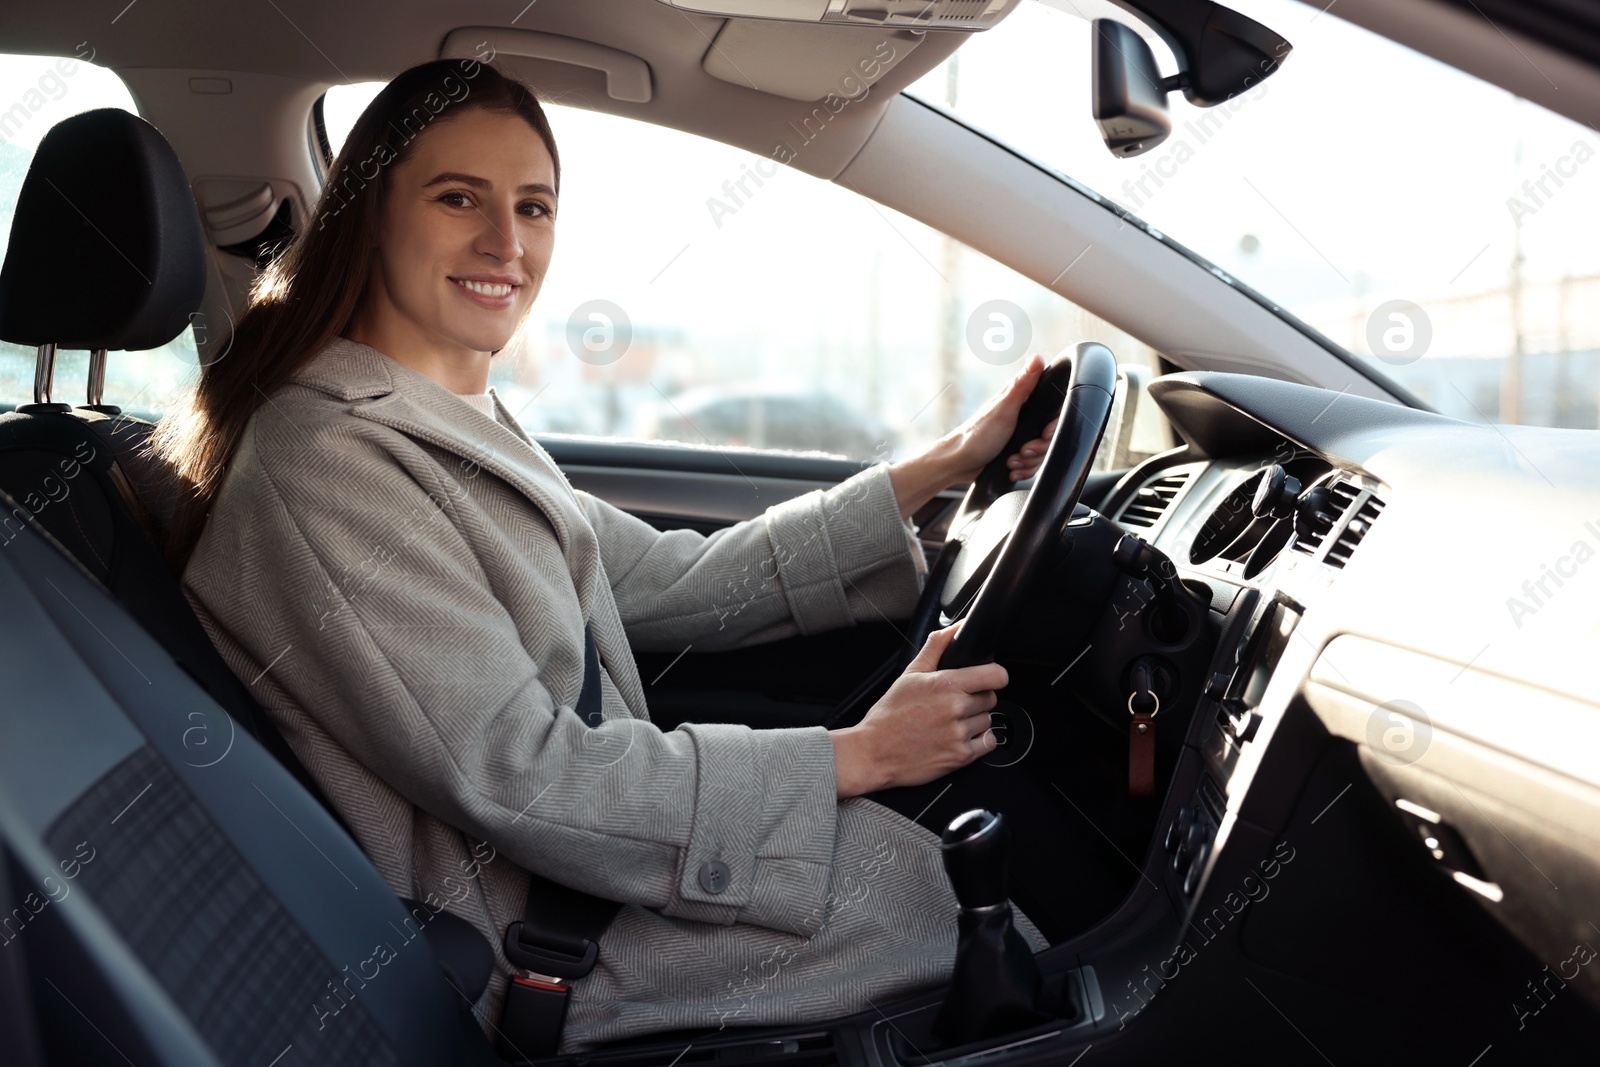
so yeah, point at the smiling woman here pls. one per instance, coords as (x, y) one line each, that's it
(333, 278)
(439, 228)
(422, 604)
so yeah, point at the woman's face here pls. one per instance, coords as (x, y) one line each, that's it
(465, 237)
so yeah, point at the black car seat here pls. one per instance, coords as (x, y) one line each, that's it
(107, 253)
(106, 205)
(181, 905)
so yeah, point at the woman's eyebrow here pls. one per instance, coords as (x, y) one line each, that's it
(485, 183)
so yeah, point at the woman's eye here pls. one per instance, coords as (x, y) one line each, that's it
(454, 199)
(536, 209)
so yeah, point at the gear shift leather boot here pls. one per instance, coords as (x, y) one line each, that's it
(996, 986)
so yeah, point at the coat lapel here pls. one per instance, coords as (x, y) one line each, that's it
(384, 391)
(394, 395)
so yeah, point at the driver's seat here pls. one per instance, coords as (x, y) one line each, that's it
(175, 897)
(182, 924)
(106, 203)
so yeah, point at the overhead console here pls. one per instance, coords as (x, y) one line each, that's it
(896, 14)
(848, 47)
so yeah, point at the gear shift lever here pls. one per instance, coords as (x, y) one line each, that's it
(996, 983)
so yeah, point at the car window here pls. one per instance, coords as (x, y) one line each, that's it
(1447, 258)
(703, 294)
(341, 106)
(36, 92)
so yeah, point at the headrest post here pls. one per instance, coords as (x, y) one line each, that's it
(97, 376)
(44, 372)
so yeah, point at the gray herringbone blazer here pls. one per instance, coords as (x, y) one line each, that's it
(404, 582)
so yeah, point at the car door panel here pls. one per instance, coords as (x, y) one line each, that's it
(794, 682)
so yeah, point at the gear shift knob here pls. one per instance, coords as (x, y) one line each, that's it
(974, 846)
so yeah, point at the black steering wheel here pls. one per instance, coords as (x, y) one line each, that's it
(1014, 528)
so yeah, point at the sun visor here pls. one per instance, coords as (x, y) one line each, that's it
(805, 62)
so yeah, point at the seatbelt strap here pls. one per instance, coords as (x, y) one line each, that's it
(557, 939)
(588, 705)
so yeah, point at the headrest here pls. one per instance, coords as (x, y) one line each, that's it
(106, 247)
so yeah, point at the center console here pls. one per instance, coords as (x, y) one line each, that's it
(1229, 717)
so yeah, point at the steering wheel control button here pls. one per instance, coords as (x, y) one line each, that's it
(715, 877)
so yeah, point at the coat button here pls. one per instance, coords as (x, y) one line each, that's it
(715, 876)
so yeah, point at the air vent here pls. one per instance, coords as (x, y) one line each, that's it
(1354, 531)
(1341, 494)
(1152, 500)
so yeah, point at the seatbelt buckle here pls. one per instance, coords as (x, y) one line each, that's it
(562, 958)
(535, 1007)
(532, 1015)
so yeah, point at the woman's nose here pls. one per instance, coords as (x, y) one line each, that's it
(497, 237)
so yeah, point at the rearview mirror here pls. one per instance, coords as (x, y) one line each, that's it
(1130, 104)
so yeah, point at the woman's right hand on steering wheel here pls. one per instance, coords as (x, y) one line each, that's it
(929, 723)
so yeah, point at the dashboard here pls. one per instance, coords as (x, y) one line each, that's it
(1411, 589)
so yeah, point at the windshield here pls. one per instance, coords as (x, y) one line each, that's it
(1440, 229)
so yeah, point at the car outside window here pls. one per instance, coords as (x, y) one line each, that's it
(36, 92)
(706, 295)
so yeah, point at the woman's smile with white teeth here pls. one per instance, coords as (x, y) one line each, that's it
(485, 288)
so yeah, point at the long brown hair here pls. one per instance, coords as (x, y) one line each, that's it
(310, 294)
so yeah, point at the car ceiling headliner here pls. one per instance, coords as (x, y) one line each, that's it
(319, 41)
(334, 42)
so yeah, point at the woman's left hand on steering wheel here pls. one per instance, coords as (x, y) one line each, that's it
(957, 457)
